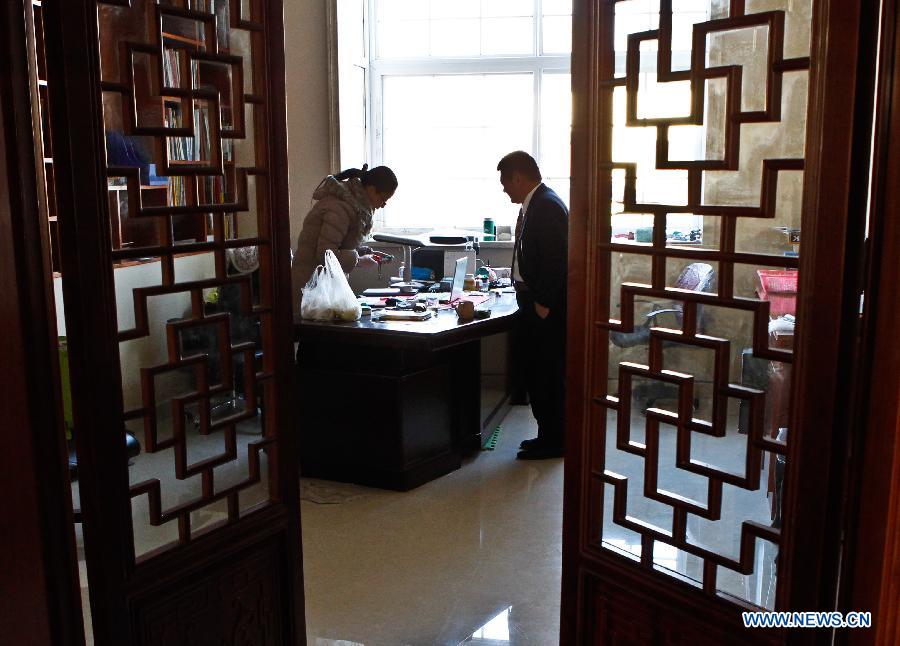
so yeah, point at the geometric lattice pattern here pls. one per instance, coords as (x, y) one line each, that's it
(697, 73)
(185, 81)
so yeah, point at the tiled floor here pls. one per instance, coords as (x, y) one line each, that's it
(723, 536)
(474, 556)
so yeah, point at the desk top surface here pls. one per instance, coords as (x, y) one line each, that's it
(442, 330)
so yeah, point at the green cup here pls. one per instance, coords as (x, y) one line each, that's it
(644, 234)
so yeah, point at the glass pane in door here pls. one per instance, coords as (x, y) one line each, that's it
(704, 166)
(191, 230)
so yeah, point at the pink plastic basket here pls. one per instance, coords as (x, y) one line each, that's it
(779, 287)
(782, 281)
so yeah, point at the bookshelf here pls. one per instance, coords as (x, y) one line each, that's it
(180, 95)
(44, 140)
(172, 89)
(126, 229)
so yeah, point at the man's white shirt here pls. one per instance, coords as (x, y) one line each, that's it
(516, 275)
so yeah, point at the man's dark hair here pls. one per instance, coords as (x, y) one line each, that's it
(520, 162)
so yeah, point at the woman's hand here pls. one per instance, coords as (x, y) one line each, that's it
(382, 258)
(367, 262)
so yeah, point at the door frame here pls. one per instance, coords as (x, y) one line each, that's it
(824, 352)
(873, 527)
(39, 568)
(89, 297)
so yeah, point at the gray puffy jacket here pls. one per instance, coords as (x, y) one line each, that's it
(339, 220)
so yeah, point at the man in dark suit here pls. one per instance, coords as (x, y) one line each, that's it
(539, 268)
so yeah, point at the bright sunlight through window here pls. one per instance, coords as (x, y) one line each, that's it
(440, 90)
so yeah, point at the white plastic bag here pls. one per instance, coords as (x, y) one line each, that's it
(327, 295)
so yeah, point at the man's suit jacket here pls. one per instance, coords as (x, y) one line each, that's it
(543, 248)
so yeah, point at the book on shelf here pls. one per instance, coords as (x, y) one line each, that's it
(201, 144)
(171, 68)
(214, 189)
(176, 192)
(229, 220)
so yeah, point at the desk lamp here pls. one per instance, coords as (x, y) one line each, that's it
(409, 244)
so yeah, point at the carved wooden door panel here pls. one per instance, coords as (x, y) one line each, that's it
(705, 337)
(170, 153)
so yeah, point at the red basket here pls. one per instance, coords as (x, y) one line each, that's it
(779, 287)
(778, 280)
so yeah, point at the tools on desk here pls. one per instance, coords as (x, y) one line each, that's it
(382, 259)
(396, 308)
(475, 306)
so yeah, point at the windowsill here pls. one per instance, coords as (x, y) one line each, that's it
(493, 244)
(422, 233)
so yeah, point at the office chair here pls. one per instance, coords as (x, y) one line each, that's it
(243, 329)
(696, 277)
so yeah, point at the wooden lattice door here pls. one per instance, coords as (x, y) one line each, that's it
(170, 149)
(705, 337)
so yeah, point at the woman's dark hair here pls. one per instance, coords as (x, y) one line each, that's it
(381, 178)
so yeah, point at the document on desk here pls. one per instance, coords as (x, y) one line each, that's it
(403, 315)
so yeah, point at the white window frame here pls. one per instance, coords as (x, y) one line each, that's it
(332, 12)
(379, 68)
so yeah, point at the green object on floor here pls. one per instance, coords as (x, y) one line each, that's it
(491, 442)
(65, 385)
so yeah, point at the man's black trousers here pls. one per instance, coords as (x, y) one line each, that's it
(541, 348)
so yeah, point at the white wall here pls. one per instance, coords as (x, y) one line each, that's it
(306, 57)
(151, 350)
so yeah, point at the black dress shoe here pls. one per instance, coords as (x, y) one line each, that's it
(541, 453)
(530, 444)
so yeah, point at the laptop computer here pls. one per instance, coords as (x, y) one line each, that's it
(459, 279)
(456, 284)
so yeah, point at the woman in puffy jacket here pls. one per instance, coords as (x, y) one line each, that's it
(339, 220)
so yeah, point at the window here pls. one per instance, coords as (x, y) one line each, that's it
(352, 79)
(439, 90)
(452, 87)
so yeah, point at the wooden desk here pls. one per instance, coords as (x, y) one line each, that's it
(394, 404)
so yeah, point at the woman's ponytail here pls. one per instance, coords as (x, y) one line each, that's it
(381, 177)
(353, 173)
